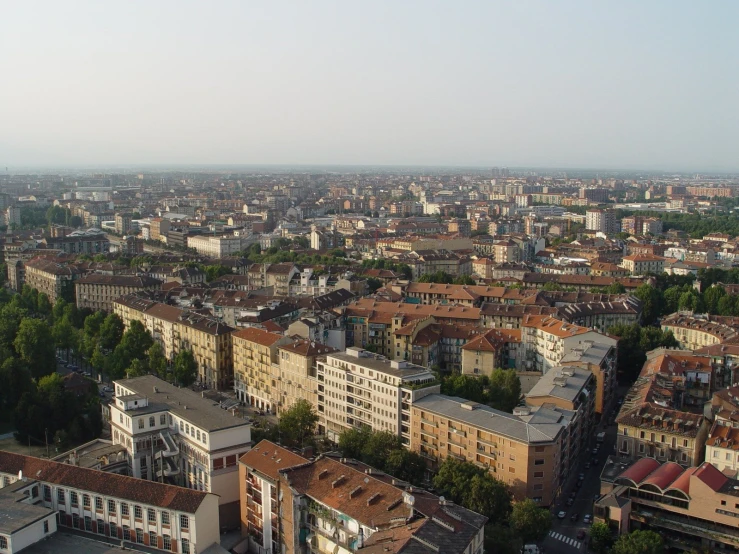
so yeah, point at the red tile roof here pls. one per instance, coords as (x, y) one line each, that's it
(711, 476)
(639, 471)
(268, 459)
(104, 483)
(259, 336)
(663, 476)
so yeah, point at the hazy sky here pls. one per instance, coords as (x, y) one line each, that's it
(568, 84)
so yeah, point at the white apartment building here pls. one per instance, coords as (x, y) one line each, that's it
(358, 388)
(216, 247)
(177, 436)
(113, 507)
(602, 220)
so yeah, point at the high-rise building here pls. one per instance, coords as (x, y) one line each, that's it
(603, 221)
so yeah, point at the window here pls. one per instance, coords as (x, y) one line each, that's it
(139, 536)
(163, 419)
(184, 522)
(151, 515)
(75, 521)
(47, 493)
(218, 463)
(685, 443)
(101, 527)
(141, 423)
(185, 546)
(120, 417)
(3, 543)
(113, 530)
(88, 523)
(152, 422)
(538, 487)
(153, 539)
(111, 506)
(124, 509)
(641, 448)
(197, 435)
(538, 474)
(86, 500)
(46, 526)
(98, 503)
(137, 512)
(166, 543)
(539, 462)
(723, 502)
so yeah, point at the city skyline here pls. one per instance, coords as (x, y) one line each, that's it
(627, 87)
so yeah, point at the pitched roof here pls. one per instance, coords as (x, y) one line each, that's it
(269, 458)
(252, 334)
(104, 483)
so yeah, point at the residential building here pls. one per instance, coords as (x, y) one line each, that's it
(694, 331)
(525, 455)
(662, 414)
(159, 228)
(603, 221)
(177, 329)
(600, 358)
(91, 242)
(123, 223)
(24, 521)
(114, 507)
(256, 367)
(692, 509)
(175, 435)
(97, 292)
(298, 377)
(722, 448)
(54, 279)
(293, 505)
(360, 389)
(641, 264)
(543, 340)
(216, 247)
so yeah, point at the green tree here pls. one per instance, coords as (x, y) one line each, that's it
(639, 542)
(652, 302)
(505, 390)
(111, 331)
(615, 288)
(298, 423)
(530, 521)
(351, 442)
(35, 346)
(465, 386)
(185, 368)
(501, 539)
(378, 446)
(65, 336)
(711, 298)
(16, 380)
(43, 306)
(157, 360)
(601, 537)
(406, 465)
(464, 280)
(551, 286)
(373, 284)
(137, 368)
(75, 221)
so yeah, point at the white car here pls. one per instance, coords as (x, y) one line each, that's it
(587, 519)
(562, 514)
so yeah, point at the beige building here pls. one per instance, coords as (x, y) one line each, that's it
(178, 329)
(525, 455)
(174, 435)
(159, 228)
(298, 374)
(97, 292)
(359, 389)
(256, 367)
(216, 247)
(51, 278)
(123, 223)
(696, 332)
(114, 507)
(641, 264)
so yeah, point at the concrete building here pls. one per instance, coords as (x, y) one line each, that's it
(358, 388)
(641, 264)
(525, 452)
(123, 223)
(91, 242)
(694, 331)
(298, 373)
(256, 367)
(97, 292)
(293, 505)
(54, 279)
(174, 435)
(13, 217)
(159, 228)
(112, 507)
(216, 247)
(603, 221)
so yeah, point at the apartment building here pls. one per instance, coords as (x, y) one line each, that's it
(178, 329)
(543, 338)
(256, 367)
(329, 505)
(298, 376)
(693, 509)
(90, 242)
(159, 228)
(216, 247)
(599, 358)
(495, 348)
(112, 507)
(97, 292)
(277, 276)
(523, 452)
(662, 414)
(123, 223)
(694, 332)
(54, 279)
(177, 436)
(722, 448)
(357, 388)
(641, 264)
(603, 221)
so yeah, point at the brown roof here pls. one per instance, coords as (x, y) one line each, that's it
(268, 459)
(105, 483)
(304, 347)
(119, 280)
(252, 334)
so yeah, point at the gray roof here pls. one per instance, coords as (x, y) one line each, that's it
(561, 382)
(382, 365)
(186, 404)
(489, 419)
(16, 515)
(586, 351)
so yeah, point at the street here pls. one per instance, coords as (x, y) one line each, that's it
(563, 535)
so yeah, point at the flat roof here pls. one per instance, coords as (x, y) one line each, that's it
(65, 543)
(561, 382)
(377, 363)
(16, 515)
(183, 402)
(489, 419)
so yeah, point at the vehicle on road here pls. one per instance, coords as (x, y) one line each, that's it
(600, 437)
(587, 519)
(562, 514)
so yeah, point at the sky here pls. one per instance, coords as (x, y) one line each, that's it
(570, 84)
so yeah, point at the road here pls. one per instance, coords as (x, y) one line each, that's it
(562, 538)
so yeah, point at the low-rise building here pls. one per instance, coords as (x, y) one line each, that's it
(112, 507)
(641, 264)
(694, 332)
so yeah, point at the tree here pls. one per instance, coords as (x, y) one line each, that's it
(633, 344)
(35, 346)
(111, 331)
(298, 423)
(65, 336)
(652, 302)
(465, 386)
(373, 284)
(551, 286)
(378, 446)
(530, 521)
(137, 368)
(352, 441)
(43, 306)
(75, 221)
(464, 280)
(16, 381)
(615, 288)
(405, 465)
(711, 298)
(474, 488)
(600, 537)
(157, 360)
(639, 542)
(505, 390)
(185, 368)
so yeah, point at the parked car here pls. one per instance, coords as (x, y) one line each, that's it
(562, 514)
(587, 519)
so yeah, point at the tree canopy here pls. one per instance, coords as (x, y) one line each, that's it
(639, 542)
(297, 424)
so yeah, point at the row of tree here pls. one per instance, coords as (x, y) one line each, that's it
(501, 390)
